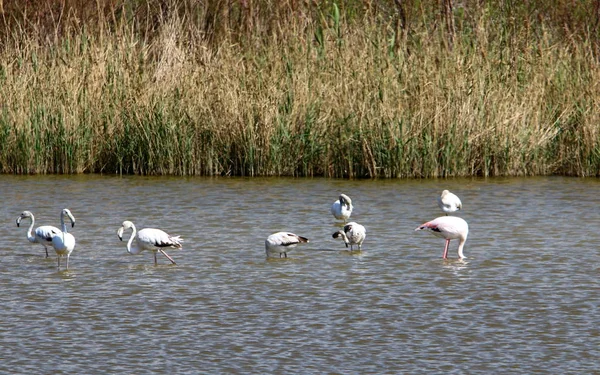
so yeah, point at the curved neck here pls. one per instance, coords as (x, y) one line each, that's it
(30, 235)
(344, 237)
(135, 249)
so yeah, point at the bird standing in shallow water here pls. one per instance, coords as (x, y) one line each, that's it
(282, 242)
(449, 202)
(42, 234)
(151, 239)
(342, 208)
(64, 242)
(353, 234)
(449, 228)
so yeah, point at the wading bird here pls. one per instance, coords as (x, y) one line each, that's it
(282, 242)
(342, 208)
(64, 242)
(151, 239)
(353, 234)
(449, 202)
(450, 228)
(42, 235)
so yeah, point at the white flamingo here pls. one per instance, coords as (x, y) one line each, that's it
(282, 242)
(342, 208)
(449, 202)
(42, 235)
(151, 239)
(64, 242)
(450, 228)
(353, 234)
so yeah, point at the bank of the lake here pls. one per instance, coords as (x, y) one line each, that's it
(336, 89)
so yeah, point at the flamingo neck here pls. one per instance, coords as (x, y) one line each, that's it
(345, 206)
(63, 226)
(135, 249)
(30, 235)
(345, 238)
(460, 248)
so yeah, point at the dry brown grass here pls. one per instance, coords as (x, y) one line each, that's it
(313, 93)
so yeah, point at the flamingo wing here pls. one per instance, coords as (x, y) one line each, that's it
(151, 237)
(446, 226)
(289, 239)
(356, 233)
(358, 236)
(46, 232)
(285, 239)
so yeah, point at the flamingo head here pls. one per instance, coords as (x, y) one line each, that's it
(126, 225)
(67, 212)
(342, 234)
(24, 215)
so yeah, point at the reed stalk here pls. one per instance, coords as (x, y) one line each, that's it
(336, 89)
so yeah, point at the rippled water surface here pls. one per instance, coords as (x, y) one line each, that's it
(526, 300)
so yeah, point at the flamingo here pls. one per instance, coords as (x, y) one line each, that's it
(342, 208)
(149, 239)
(42, 235)
(450, 228)
(353, 234)
(449, 202)
(282, 242)
(64, 242)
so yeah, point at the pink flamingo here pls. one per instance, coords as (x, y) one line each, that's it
(450, 228)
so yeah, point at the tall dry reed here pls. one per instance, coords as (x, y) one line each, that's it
(325, 90)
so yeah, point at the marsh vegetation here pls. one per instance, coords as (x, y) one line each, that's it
(273, 88)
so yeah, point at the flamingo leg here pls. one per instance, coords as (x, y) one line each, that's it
(68, 261)
(45, 248)
(58, 260)
(165, 254)
(445, 256)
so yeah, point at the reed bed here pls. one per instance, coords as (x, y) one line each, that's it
(336, 90)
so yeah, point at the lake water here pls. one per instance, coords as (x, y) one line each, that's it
(525, 301)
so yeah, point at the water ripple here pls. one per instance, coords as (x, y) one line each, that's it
(524, 301)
